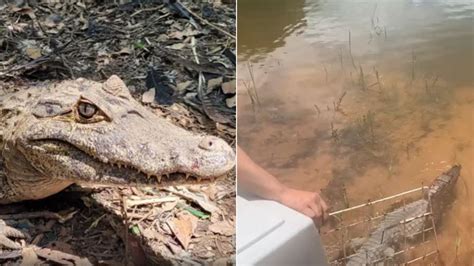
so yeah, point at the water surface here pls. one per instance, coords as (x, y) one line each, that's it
(376, 97)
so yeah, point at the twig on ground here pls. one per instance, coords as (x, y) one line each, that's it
(40, 214)
(207, 22)
(154, 200)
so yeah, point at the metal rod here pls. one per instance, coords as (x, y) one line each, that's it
(433, 222)
(372, 219)
(423, 224)
(416, 217)
(396, 253)
(405, 233)
(405, 250)
(353, 224)
(422, 257)
(377, 201)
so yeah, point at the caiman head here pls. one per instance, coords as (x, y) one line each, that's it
(442, 191)
(88, 132)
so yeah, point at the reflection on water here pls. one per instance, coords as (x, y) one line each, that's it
(373, 96)
(263, 25)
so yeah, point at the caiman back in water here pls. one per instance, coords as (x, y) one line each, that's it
(389, 234)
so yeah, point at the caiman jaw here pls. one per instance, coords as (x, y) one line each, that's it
(88, 132)
(211, 157)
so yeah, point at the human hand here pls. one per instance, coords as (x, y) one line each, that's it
(309, 203)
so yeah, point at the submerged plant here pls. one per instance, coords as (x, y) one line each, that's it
(362, 82)
(365, 128)
(337, 105)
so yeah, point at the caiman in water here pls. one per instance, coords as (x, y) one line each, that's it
(81, 131)
(390, 233)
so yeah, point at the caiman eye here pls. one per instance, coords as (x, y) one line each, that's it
(86, 110)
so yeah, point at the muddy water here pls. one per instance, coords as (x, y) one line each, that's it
(362, 99)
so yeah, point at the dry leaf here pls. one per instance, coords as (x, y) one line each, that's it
(211, 191)
(201, 199)
(229, 87)
(123, 51)
(177, 46)
(230, 102)
(213, 83)
(61, 246)
(25, 11)
(33, 52)
(149, 96)
(61, 257)
(168, 206)
(176, 35)
(183, 85)
(183, 228)
(151, 233)
(225, 228)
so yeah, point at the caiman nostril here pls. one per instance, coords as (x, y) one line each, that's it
(209, 143)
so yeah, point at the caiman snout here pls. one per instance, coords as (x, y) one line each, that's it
(210, 143)
(211, 156)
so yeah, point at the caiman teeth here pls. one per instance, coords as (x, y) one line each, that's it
(167, 177)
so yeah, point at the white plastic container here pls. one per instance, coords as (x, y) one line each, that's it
(269, 233)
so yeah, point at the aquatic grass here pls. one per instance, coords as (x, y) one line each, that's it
(326, 73)
(350, 50)
(337, 105)
(251, 89)
(253, 100)
(365, 128)
(345, 197)
(341, 61)
(373, 15)
(379, 82)
(413, 62)
(360, 135)
(254, 86)
(317, 109)
(408, 147)
(390, 164)
(362, 83)
(375, 26)
(430, 89)
(334, 133)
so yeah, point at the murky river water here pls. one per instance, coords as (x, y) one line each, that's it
(373, 96)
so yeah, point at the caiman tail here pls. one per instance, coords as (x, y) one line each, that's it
(390, 233)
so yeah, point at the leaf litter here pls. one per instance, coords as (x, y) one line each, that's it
(176, 57)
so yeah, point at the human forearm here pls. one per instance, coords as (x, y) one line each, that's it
(255, 179)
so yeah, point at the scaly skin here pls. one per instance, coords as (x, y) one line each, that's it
(88, 132)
